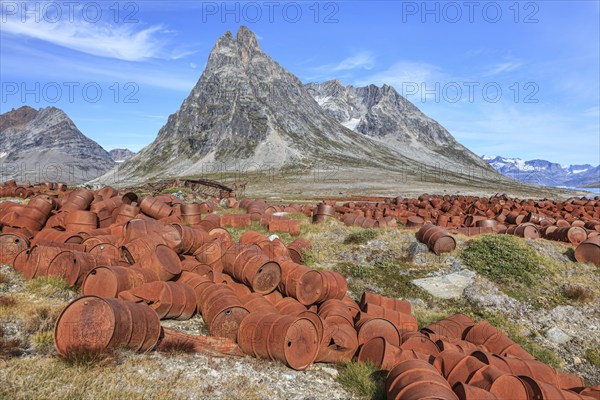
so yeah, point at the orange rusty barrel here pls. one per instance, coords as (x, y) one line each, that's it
(526, 230)
(252, 330)
(452, 327)
(81, 221)
(255, 302)
(93, 323)
(456, 366)
(155, 208)
(415, 221)
(79, 199)
(191, 238)
(417, 379)
(498, 382)
(35, 262)
(483, 333)
(211, 254)
(469, 392)
(299, 281)
(72, 266)
(334, 286)
(402, 321)
(384, 355)
(106, 281)
(339, 343)
(170, 300)
(323, 212)
(289, 306)
(368, 327)
(436, 238)
(191, 213)
(589, 251)
(486, 223)
(211, 221)
(419, 342)
(386, 302)
(574, 235)
(163, 261)
(10, 246)
(106, 254)
(125, 213)
(293, 340)
(221, 310)
(336, 311)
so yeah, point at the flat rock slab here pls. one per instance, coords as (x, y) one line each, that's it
(557, 335)
(450, 286)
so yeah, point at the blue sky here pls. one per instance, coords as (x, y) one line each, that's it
(519, 79)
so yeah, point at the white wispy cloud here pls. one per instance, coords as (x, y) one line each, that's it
(593, 112)
(362, 60)
(503, 67)
(343, 69)
(26, 62)
(407, 76)
(405, 71)
(102, 39)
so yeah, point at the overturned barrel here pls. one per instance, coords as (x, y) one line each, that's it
(436, 238)
(93, 323)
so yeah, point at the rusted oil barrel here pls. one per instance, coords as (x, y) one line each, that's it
(485, 334)
(402, 321)
(470, 392)
(589, 251)
(417, 379)
(384, 355)
(72, 266)
(574, 235)
(110, 281)
(170, 300)
(368, 327)
(79, 199)
(386, 302)
(339, 343)
(297, 248)
(10, 246)
(81, 221)
(436, 238)
(452, 327)
(93, 323)
(323, 212)
(498, 382)
(221, 309)
(191, 213)
(300, 282)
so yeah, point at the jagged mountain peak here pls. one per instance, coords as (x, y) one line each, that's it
(246, 109)
(381, 112)
(33, 142)
(246, 38)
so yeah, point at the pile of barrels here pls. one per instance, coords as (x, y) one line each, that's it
(141, 260)
(575, 221)
(27, 190)
(457, 358)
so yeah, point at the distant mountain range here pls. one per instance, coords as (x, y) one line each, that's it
(121, 155)
(45, 145)
(542, 172)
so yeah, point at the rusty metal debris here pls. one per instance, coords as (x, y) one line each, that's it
(140, 259)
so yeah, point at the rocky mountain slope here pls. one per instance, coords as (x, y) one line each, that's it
(542, 172)
(45, 145)
(381, 112)
(248, 113)
(120, 155)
